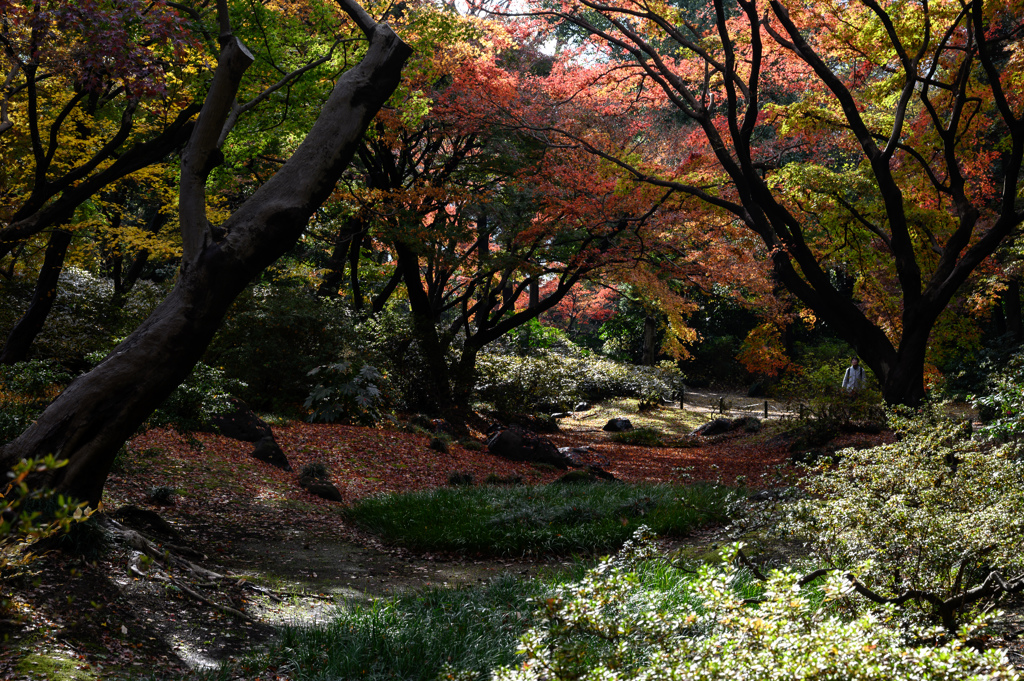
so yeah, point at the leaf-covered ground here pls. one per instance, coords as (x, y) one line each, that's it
(285, 554)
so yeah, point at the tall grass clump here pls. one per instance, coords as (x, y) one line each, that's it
(532, 520)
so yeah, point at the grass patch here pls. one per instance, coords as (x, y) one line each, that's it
(467, 631)
(532, 520)
(641, 437)
(412, 638)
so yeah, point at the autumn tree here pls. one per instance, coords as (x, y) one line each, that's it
(90, 420)
(879, 138)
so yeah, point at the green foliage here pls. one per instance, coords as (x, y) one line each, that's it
(274, 335)
(641, 437)
(611, 625)
(26, 388)
(346, 393)
(414, 638)
(22, 520)
(934, 513)
(1002, 408)
(553, 519)
(86, 316)
(550, 380)
(205, 393)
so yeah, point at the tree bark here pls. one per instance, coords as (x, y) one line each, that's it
(94, 416)
(31, 323)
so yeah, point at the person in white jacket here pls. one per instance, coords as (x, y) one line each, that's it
(853, 379)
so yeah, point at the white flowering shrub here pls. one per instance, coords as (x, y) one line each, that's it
(935, 520)
(85, 316)
(612, 625)
(556, 380)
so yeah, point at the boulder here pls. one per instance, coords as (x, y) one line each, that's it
(516, 444)
(587, 476)
(315, 479)
(321, 488)
(268, 451)
(716, 427)
(750, 424)
(242, 423)
(618, 425)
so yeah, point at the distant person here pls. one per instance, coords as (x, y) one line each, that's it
(853, 379)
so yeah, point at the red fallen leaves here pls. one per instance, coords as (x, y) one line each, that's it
(211, 470)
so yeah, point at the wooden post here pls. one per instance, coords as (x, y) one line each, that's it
(766, 409)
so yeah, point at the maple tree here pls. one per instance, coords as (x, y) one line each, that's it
(880, 138)
(92, 418)
(486, 228)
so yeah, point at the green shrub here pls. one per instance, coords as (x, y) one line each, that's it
(640, 437)
(204, 394)
(551, 519)
(1002, 408)
(274, 335)
(612, 626)
(557, 381)
(934, 515)
(29, 514)
(86, 315)
(26, 388)
(346, 393)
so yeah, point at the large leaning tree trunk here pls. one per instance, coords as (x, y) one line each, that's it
(97, 413)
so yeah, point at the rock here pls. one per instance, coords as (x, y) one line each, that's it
(577, 478)
(618, 425)
(561, 415)
(582, 406)
(242, 423)
(268, 451)
(315, 479)
(145, 520)
(321, 488)
(750, 424)
(516, 444)
(716, 427)
(587, 476)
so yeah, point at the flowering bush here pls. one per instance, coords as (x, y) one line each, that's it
(615, 625)
(556, 380)
(931, 521)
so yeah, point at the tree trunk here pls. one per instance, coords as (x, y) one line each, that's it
(1012, 299)
(31, 323)
(650, 335)
(94, 416)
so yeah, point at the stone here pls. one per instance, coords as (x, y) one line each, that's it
(716, 427)
(241, 423)
(618, 425)
(750, 424)
(582, 406)
(321, 488)
(516, 444)
(268, 451)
